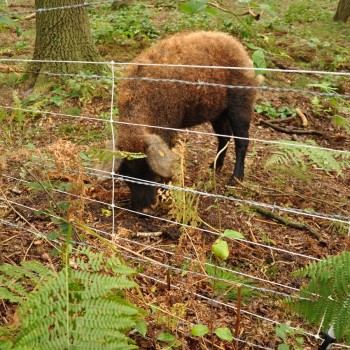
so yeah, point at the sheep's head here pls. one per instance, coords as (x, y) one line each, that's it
(159, 162)
(160, 157)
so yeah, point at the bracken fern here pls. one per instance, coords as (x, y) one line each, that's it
(289, 153)
(82, 309)
(327, 294)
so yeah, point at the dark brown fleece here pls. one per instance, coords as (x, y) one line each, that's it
(179, 105)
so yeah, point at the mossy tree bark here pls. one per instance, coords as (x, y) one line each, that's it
(63, 35)
(343, 11)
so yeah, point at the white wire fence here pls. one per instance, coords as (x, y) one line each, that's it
(273, 287)
(129, 247)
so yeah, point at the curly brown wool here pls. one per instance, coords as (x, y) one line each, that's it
(178, 105)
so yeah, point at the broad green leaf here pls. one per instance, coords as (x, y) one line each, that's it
(5, 20)
(64, 205)
(194, 6)
(199, 330)
(259, 61)
(281, 333)
(211, 11)
(233, 234)
(141, 327)
(53, 235)
(299, 340)
(57, 100)
(166, 337)
(283, 347)
(185, 8)
(220, 249)
(224, 333)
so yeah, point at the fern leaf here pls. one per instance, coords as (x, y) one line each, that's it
(327, 294)
(295, 153)
(109, 308)
(84, 309)
(7, 294)
(19, 280)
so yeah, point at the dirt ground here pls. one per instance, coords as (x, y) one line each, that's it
(158, 242)
(171, 257)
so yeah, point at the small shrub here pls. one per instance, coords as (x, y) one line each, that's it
(132, 22)
(268, 110)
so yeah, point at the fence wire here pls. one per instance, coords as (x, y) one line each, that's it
(162, 219)
(112, 175)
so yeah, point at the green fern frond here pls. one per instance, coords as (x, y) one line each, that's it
(82, 309)
(342, 122)
(327, 294)
(17, 281)
(226, 289)
(289, 153)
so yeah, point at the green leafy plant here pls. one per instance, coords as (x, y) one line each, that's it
(224, 333)
(268, 110)
(326, 296)
(13, 122)
(170, 340)
(338, 109)
(124, 25)
(6, 21)
(342, 122)
(182, 206)
(258, 58)
(220, 247)
(195, 6)
(325, 86)
(200, 330)
(220, 250)
(228, 290)
(338, 228)
(292, 337)
(82, 307)
(306, 11)
(107, 155)
(295, 153)
(171, 319)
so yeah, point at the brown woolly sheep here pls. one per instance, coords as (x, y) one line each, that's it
(179, 105)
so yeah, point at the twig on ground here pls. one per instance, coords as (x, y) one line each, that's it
(287, 222)
(290, 131)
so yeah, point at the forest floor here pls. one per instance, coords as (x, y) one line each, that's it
(174, 244)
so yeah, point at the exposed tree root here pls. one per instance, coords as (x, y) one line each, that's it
(290, 130)
(287, 222)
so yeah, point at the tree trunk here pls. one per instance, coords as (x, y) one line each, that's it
(63, 35)
(343, 11)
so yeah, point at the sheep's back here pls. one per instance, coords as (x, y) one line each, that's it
(178, 104)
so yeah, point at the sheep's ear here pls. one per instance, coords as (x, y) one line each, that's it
(160, 157)
(103, 169)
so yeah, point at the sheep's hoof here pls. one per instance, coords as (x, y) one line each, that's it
(217, 168)
(234, 181)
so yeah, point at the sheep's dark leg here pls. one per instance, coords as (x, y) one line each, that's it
(221, 126)
(239, 117)
(142, 196)
(241, 151)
